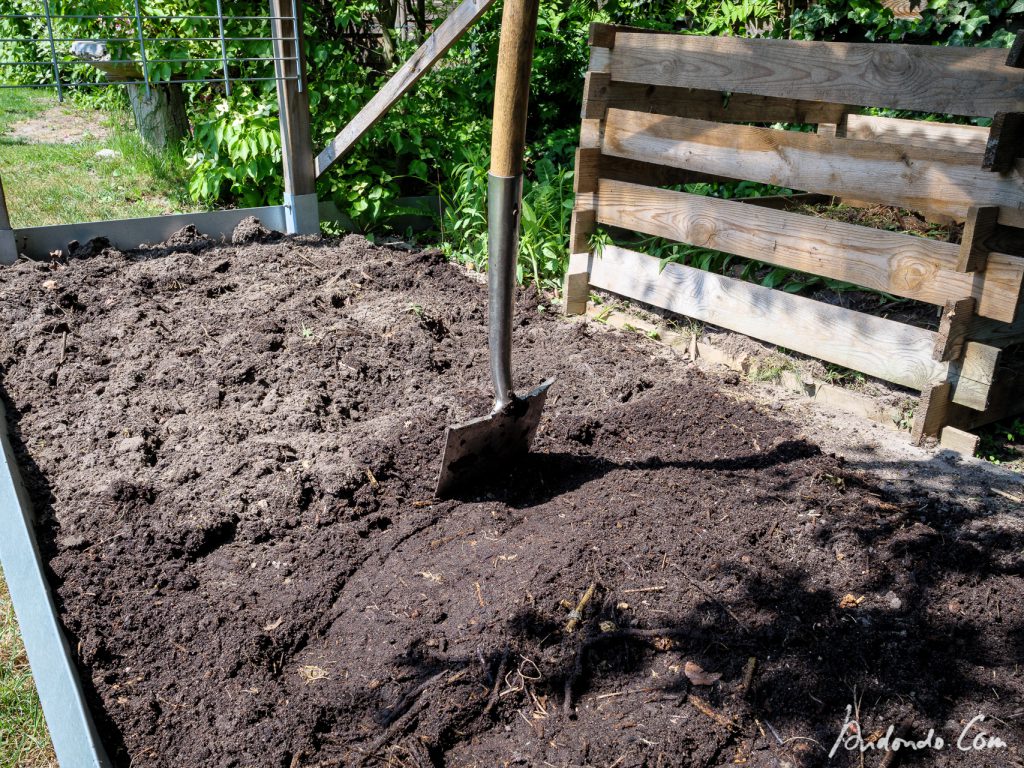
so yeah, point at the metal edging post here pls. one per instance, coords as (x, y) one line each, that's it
(223, 48)
(8, 245)
(72, 729)
(142, 47)
(53, 50)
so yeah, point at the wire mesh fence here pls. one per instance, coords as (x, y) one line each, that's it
(42, 47)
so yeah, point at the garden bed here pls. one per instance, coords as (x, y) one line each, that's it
(232, 451)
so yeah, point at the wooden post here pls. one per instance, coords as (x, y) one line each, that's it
(301, 206)
(8, 246)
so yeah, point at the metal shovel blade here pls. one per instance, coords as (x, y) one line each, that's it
(484, 444)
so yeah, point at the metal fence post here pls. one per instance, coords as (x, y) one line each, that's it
(8, 245)
(301, 206)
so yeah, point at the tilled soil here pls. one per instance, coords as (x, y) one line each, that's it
(232, 451)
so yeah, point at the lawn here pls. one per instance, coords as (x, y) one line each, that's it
(97, 169)
(24, 741)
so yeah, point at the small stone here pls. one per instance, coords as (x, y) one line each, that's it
(131, 445)
(74, 541)
(893, 600)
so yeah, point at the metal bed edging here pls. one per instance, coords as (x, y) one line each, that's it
(72, 730)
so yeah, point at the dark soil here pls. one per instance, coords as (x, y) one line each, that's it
(232, 452)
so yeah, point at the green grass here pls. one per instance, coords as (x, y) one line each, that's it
(18, 104)
(66, 183)
(24, 741)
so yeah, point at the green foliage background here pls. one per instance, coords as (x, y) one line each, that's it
(435, 142)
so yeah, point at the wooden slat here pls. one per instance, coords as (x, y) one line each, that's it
(978, 228)
(1005, 140)
(596, 86)
(917, 133)
(588, 164)
(932, 412)
(1006, 400)
(974, 374)
(904, 265)
(995, 333)
(577, 284)
(1015, 56)
(883, 348)
(911, 177)
(590, 134)
(958, 440)
(436, 46)
(953, 327)
(947, 80)
(294, 117)
(583, 223)
(604, 34)
(905, 9)
(716, 105)
(600, 60)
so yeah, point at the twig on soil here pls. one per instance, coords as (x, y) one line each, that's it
(748, 675)
(479, 594)
(642, 589)
(577, 613)
(715, 600)
(902, 731)
(704, 708)
(403, 714)
(498, 678)
(624, 693)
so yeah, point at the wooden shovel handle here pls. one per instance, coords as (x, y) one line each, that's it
(512, 86)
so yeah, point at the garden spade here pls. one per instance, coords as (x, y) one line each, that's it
(487, 443)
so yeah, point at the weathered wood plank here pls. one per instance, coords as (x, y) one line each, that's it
(1006, 400)
(911, 177)
(917, 133)
(978, 228)
(1015, 56)
(958, 440)
(596, 86)
(604, 34)
(953, 327)
(973, 375)
(600, 60)
(297, 149)
(947, 80)
(590, 134)
(1005, 140)
(904, 265)
(583, 223)
(588, 168)
(996, 333)
(932, 412)
(577, 284)
(433, 49)
(883, 348)
(717, 105)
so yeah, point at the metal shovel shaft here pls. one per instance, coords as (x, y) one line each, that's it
(504, 194)
(486, 443)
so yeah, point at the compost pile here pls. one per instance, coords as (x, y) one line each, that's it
(232, 450)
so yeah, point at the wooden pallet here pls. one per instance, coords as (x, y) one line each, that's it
(664, 109)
